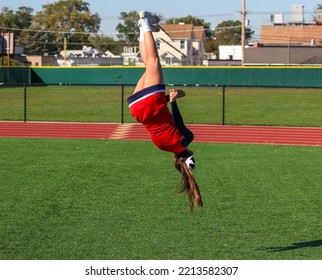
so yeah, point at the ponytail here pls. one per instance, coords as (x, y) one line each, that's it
(188, 183)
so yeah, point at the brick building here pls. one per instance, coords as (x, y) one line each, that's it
(298, 44)
(306, 35)
(288, 43)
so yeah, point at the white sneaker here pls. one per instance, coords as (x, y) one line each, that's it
(152, 19)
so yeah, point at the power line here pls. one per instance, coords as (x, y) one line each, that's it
(63, 32)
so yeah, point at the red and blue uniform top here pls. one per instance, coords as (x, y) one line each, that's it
(149, 107)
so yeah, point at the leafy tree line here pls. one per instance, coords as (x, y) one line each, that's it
(44, 31)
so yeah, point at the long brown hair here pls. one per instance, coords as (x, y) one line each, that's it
(188, 182)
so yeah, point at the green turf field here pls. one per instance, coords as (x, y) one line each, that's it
(95, 199)
(203, 105)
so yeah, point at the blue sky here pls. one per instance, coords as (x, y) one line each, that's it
(213, 11)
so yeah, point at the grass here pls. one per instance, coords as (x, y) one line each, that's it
(274, 106)
(95, 199)
(62, 103)
(203, 105)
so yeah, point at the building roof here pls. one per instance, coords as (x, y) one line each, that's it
(199, 32)
(183, 31)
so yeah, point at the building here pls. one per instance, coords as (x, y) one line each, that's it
(131, 56)
(232, 52)
(283, 54)
(288, 43)
(40, 60)
(305, 35)
(88, 56)
(299, 44)
(177, 44)
(180, 44)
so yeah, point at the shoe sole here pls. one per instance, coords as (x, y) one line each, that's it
(153, 19)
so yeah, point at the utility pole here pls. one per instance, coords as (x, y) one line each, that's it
(65, 48)
(243, 35)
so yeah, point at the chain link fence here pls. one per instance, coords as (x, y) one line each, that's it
(203, 104)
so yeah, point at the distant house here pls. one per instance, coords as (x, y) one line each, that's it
(230, 52)
(40, 60)
(180, 44)
(131, 56)
(177, 44)
(88, 56)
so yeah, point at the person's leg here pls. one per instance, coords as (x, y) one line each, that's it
(140, 83)
(153, 74)
(142, 48)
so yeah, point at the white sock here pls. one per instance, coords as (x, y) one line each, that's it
(141, 36)
(144, 25)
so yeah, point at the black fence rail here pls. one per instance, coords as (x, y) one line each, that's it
(203, 104)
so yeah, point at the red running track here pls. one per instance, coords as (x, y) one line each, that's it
(203, 133)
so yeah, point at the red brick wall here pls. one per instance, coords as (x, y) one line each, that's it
(291, 34)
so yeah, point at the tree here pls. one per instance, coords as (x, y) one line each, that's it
(57, 21)
(17, 20)
(211, 46)
(12, 62)
(229, 33)
(104, 43)
(194, 21)
(128, 31)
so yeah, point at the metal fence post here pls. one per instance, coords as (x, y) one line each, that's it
(25, 103)
(223, 105)
(122, 105)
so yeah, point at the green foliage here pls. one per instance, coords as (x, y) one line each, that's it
(19, 19)
(228, 32)
(211, 46)
(93, 199)
(104, 43)
(64, 18)
(12, 61)
(128, 31)
(37, 43)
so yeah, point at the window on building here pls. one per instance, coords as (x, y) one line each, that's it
(182, 44)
